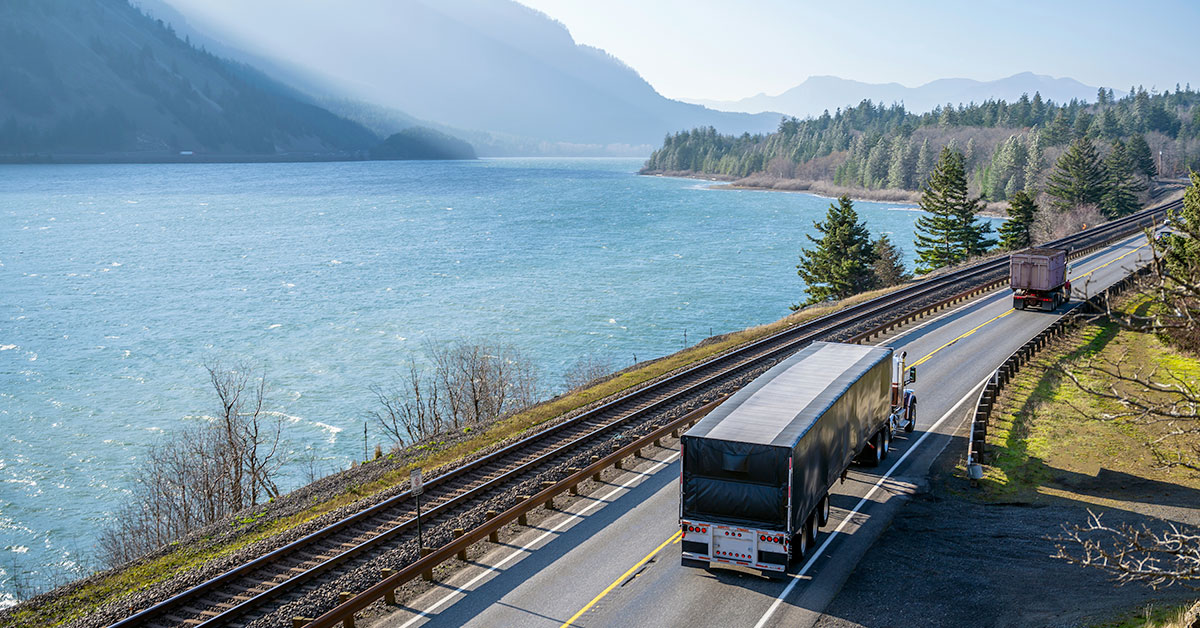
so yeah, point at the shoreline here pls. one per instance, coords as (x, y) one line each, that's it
(819, 189)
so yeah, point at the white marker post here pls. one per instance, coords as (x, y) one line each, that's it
(417, 486)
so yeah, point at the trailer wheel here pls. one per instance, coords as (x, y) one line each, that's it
(812, 530)
(885, 442)
(1018, 304)
(800, 541)
(823, 511)
(912, 417)
(873, 453)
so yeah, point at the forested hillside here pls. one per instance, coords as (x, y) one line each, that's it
(99, 78)
(1007, 147)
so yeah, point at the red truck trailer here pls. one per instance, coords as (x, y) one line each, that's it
(1039, 279)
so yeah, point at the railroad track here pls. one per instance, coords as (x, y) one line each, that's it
(255, 588)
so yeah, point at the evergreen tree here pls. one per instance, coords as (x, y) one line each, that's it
(924, 164)
(1124, 186)
(1033, 165)
(1078, 177)
(950, 233)
(889, 263)
(1140, 155)
(1015, 233)
(842, 262)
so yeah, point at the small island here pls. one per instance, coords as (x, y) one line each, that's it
(422, 143)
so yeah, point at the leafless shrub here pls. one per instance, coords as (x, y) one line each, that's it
(467, 384)
(1052, 225)
(587, 371)
(202, 473)
(1134, 553)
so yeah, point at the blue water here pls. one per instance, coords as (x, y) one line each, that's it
(118, 281)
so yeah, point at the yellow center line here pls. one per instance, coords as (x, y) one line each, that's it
(625, 575)
(1111, 261)
(1010, 311)
(675, 538)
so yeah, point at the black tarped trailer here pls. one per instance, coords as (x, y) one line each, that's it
(768, 455)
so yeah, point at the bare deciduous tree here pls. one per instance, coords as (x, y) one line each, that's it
(467, 384)
(1135, 553)
(202, 473)
(1157, 397)
(587, 371)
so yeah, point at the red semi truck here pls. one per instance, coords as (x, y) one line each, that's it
(1039, 279)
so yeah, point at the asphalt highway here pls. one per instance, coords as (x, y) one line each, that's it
(613, 558)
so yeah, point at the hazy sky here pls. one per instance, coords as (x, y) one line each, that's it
(728, 50)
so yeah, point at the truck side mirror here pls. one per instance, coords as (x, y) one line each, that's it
(912, 375)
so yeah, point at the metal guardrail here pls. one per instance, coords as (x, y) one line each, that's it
(1087, 310)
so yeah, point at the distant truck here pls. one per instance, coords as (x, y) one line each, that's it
(757, 471)
(1039, 279)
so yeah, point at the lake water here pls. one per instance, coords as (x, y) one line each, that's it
(118, 281)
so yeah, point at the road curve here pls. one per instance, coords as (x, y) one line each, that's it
(616, 563)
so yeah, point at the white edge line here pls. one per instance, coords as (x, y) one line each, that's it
(638, 474)
(808, 565)
(525, 548)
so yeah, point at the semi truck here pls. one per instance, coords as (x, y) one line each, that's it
(1039, 279)
(757, 470)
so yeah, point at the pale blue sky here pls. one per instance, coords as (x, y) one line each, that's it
(730, 50)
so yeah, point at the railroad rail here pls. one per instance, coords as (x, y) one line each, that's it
(242, 593)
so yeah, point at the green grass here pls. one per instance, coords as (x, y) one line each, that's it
(81, 600)
(1152, 616)
(1039, 433)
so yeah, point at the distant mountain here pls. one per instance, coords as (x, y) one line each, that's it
(820, 93)
(484, 65)
(97, 79)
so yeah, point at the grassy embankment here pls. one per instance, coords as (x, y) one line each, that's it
(1044, 451)
(77, 601)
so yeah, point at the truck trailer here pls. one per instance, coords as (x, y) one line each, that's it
(1039, 279)
(757, 470)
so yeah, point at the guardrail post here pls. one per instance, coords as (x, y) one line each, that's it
(596, 476)
(343, 597)
(523, 518)
(389, 595)
(462, 553)
(618, 464)
(494, 535)
(427, 575)
(549, 502)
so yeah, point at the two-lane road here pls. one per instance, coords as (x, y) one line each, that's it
(616, 561)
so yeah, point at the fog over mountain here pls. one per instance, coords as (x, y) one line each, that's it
(820, 93)
(485, 65)
(98, 80)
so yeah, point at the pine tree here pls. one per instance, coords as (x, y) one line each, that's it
(1078, 177)
(1015, 233)
(889, 263)
(925, 163)
(900, 171)
(950, 233)
(1140, 155)
(1124, 186)
(841, 264)
(1034, 165)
